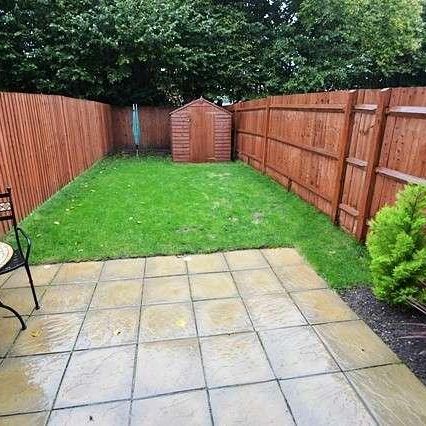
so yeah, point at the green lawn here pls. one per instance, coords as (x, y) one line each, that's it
(126, 207)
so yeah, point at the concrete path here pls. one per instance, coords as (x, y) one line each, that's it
(250, 337)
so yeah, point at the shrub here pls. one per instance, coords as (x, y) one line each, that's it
(397, 246)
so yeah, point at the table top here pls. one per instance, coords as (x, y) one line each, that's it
(6, 253)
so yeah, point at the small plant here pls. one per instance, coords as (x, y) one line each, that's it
(397, 246)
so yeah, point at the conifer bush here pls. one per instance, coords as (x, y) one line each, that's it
(397, 246)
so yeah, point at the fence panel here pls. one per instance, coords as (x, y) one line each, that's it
(45, 142)
(155, 128)
(346, 152)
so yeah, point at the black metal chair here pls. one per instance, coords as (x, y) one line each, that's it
(19, 258)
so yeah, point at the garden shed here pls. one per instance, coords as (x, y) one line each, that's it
(201, 132)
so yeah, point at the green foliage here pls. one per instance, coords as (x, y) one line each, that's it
(170, 51)
(397, 246)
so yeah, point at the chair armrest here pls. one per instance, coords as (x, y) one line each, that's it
(28, 241)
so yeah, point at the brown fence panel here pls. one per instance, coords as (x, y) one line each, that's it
(155, 128)
(46, 141)
(346, 152)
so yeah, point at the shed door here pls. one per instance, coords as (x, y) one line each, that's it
(202, 135)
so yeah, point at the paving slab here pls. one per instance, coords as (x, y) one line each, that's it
(121, 269)
(31, 382)
(161, 322)
(221, 316)
(9, 329)
(234, 359)
(325, 400)
(273, 311)
(109, 327)
(245, 259)
(354, 345)
(78, 272)
(20, 299)
(182, 409)
(393, 394)
(33, 419)
(279, 257)
(256, 282)
(296, 351)
(213, 286)
(42, 275)
(97, 375)
(299, 278)
(166, 290)
(114, 414)
(250, 405)
(202, 263)
(168, 366)
(165, 265)
(115, 294)
(48, 334)
(319, 306)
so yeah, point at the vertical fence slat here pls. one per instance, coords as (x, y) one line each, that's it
(372, 162)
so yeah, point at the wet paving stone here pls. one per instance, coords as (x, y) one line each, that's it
(296, 351)
(166, 290)
(202, 263)
(354, 345)
(234, 359)
(257, 282)
(9, 329)
(165, 265)
(250, 405)
(168, 366)
(212, 286)
(33, 419)
(121, 269)
(393, 394)
(31, 382)
(114, 414)
(78, 272)
(273, 311)
(4, 278)
(161, 322)
(97, 375)
(245, 259)
(48, 333)
(20, 299)
(66, 298)
(109, 327)
(221, 316)
(325, 400)
(320, 306)
(182, 409)
(299, 278)
(115, 294)
(42, 275)
(279, 257)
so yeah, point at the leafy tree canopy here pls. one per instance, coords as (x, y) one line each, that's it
(170, 51)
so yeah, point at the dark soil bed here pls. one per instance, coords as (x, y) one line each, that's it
(392, 324)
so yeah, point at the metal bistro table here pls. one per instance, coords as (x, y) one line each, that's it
(6, 253)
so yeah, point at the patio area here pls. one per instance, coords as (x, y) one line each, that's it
(247, 337)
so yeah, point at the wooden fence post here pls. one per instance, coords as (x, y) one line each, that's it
(344, 143)
(235, 135)
(372, 162)
(266, 134)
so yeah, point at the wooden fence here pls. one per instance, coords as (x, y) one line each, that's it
(155, 128)
(46, 141)
(347, 152)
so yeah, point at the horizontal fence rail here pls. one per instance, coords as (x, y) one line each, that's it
(347, 152)
(45, 142)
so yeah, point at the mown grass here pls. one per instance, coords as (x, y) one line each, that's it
(124, 207)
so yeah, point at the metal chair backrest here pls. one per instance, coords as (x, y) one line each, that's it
(7, 212)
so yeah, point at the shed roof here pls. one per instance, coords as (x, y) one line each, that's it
(201, 100)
